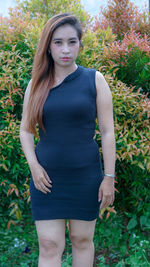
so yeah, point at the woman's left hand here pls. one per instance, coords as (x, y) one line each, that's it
(106, 192)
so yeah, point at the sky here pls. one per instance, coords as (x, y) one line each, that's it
(92, 6)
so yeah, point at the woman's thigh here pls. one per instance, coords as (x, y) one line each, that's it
(51, 230)
(82, 229)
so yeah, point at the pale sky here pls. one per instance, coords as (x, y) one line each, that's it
(92, 6)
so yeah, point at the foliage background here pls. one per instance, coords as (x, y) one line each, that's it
(122, 55)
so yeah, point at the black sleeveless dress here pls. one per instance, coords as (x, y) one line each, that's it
(68, 152)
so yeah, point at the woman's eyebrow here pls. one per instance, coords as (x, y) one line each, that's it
(60, 39)
(73, 38)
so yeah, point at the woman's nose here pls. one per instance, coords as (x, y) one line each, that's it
(66, 49)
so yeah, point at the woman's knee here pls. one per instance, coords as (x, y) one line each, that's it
(51, 247)
(81, 241)
(51, 237)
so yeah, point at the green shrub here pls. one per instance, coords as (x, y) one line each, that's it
(13, 173)
(15, 73)
(132, 142)
(130, 117)
(91, 55)
(132, 130)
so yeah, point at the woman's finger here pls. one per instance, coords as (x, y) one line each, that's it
(41, 185)
(112, 200)
(40, 189)
(100, 195)
(42, 180)
(47, 177)
(45, 188)
(105, 202)
(45, 182)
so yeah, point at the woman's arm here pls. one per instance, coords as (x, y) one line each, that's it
(105, 122)
(106, 126)
(40, 177)
(26, 138)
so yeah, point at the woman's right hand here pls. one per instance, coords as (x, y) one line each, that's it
(40, 178)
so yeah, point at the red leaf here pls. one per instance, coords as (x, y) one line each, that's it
(107, 216)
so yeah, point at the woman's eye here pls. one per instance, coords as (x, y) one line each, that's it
(72, 42)
(57, 42)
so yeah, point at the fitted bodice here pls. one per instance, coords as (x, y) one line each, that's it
(69, 115)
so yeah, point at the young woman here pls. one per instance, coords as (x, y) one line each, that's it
(67, 181)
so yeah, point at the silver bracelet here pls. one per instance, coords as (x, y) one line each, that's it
(110, 175)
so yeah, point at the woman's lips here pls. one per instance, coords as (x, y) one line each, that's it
(65, 58)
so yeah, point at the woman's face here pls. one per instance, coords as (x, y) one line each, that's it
(64, 45)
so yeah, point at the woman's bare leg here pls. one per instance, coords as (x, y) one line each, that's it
(81, 236)
(51, 237)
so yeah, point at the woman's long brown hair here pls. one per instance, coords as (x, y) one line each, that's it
(43, 69)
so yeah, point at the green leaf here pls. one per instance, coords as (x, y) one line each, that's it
(131, 240)
(123, 250)
(143, 220)
(132, 223)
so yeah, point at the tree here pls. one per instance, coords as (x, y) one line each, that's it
(51, 8)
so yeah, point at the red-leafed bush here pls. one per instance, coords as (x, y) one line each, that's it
(129, 59)
(121, 16)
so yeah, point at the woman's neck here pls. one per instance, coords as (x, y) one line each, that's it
(61, 72)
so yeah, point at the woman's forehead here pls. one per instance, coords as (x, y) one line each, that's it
(65, 31)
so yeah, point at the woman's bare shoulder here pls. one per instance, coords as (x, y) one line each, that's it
(102, 86)
(27, 91)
